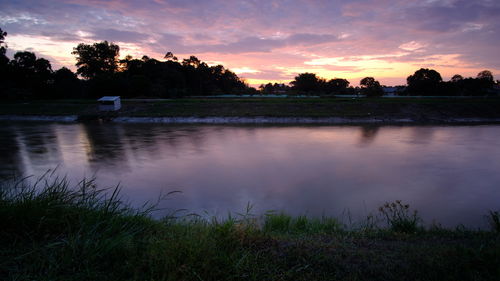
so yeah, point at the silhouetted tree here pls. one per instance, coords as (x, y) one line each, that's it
(192, 61)
(30, 76)
(486, 75)
(24, 60)
(457, 78)
(274, 89)
(424, 82)
(105, 75)
(5, 71)
(66, 84)
(371, 87)
(424, 74)
(3, 48)
(336, 86)
(338, 83)
(96, 59)
(307, 83)
(170, 56)
(3, 34)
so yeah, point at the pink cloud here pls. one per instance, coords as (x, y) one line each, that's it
(379, 37)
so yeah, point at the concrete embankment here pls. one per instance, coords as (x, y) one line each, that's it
(252, 120)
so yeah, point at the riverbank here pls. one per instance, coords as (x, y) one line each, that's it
(56, 233)
(252, 120)
(256, 111)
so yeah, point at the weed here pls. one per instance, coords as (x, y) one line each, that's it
(399, 218)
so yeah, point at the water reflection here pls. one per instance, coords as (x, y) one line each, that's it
(449, 173)
(368, 134)
(9, 152)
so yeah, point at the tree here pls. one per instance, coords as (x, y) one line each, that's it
(3, 34)
(43, 67)
(424, 82)
(66, 84)
(30, 75)
(170, 57)
(24, 60)
(3, 46)
(27, 62)
(485, 75)
(456, 78)
(192, 61)
(424, 74)
(369, 82)
(96, 59)
(336, 85)
(5, 71)
(307, 83)
(371, 87)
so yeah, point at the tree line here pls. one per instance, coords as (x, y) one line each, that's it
(103, 73)
(311, 84)
(424, 82)
(28, 77)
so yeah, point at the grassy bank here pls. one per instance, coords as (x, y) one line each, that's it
(53, 232)
(415, 108)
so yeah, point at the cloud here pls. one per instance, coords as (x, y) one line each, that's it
(118, 35)
(412, 46)
(274, 75)
(379, 37)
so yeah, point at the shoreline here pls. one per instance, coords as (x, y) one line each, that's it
(252, 120)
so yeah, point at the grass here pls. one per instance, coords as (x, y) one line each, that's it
(285, 224)
(51, 231)
(415, 108)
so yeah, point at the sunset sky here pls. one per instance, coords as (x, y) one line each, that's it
(265, 40)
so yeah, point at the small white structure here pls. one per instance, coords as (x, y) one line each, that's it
(109, 103)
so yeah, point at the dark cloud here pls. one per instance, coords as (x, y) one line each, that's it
(118, 35)
(246, 44)
(452, 16)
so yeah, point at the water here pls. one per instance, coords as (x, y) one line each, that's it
(451, 174)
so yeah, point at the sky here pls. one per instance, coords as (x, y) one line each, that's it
(268, 40)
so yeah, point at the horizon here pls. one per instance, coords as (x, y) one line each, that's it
(271, 41)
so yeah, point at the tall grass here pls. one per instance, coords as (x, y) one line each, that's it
(51, 231)
(301, 224)
(494, 220)
(65, 232)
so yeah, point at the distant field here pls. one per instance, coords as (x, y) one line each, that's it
(414, 108)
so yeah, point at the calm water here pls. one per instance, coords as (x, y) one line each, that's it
(450, 174)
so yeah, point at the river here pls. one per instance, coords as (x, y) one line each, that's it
(450, 174)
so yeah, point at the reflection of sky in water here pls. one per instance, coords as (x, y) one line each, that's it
(449, 174)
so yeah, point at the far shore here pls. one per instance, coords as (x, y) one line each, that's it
(334, 111)
(255, 120)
